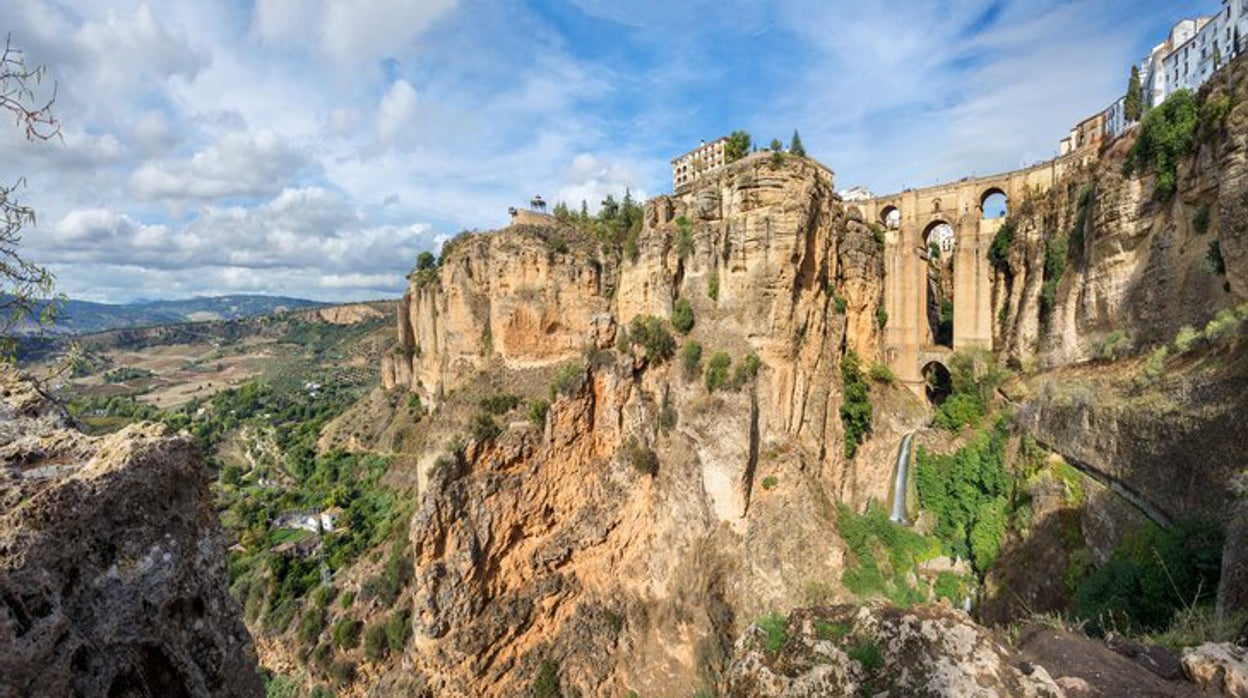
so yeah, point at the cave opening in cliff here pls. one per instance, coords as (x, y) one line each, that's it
(938, 382)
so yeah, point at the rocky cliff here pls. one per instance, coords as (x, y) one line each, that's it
(112, 562)
(630, 537)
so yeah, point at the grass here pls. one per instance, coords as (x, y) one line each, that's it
(775, 627)
(867, 653)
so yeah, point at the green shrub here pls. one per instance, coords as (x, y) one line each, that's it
(1152, 574)
(1201, 220)
(867, 653)
(949, 586)
(712, 286)
(1156, 363)
(999, 250)
(499, 403)
(1115, 346)
(398, 630)
(568, 380)
(840, 304)
(1214, 261)
(684, 238)
(310, 625)
(1225, 323)
(830, 631)
(414, 405)
(667, 414)
(682, 316)
(691, 359)
(1054, 269)
(347, 633)
(746, 370)
(342, 671)
(1167, 133)
(484, 428)
(375, 644)
(877, 233)
(883, 554)
(881, 316)
(347, 598)
(881, 373)
(771, 482)
(1186, 339)
(856, 410)
(775, 627)
(957, 411)
(967, 491)
(546, 683)
(651, 333)
(538, 409)
(717, 371)
(643, 458)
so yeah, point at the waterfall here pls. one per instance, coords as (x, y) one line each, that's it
(898, 513)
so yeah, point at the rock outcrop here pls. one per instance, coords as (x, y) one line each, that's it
(112, 562)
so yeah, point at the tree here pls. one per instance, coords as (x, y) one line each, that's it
(1133, 108)
(737, 147)
(425, 260)
(24, 286)
(776, 145)
(796, 147)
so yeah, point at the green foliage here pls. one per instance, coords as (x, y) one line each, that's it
(1054, 269)
(881, 316)
(877, 234)
(975, 376)
(1186, 339)
(795, 146)
(395, 575)
(414, 405)
(1114, 346)
(278, 686)
(568, 380)
(1156, 363)
(999, 250)
(347, 633)
(771, 482)
(776, 146)
(425, 261)
(483, 427)
(1225, 323)
(1152, 574)
(347, 598)
(682, 316)
(884, 554)
(546, 683)
(310, 625)
(737, 147)
(1200, 222)
(712, 286)
(127, 373)
(775, 627)
(684, 238)
(1166, 134)
(691, 359)
(376, 646)
(717, 371)
(558, 243)
(881, 373)
(643, 458)
(967, 492)
(398, 630)
(667, 414)
(1214, 112)
(949, 586)
(499, 403)
(1214, 261)
(867, 653)
(746, 370)
(1133, 106)
(651, 334)
(840, 303)
(856, 410)
(831, 631)
(538, 409)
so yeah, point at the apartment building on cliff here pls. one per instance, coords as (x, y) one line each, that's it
(691, 166)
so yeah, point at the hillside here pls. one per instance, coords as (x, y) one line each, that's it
(76, 317)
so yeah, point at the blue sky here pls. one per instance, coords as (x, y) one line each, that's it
(313, 147)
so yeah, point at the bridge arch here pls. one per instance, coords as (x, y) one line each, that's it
(994, 203)
(941, 233)
(890, 217)
(937, 381)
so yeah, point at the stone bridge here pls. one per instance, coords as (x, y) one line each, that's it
(908, 219)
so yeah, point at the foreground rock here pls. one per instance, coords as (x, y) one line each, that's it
(112, 563)
(923, 651)
(1218, 667)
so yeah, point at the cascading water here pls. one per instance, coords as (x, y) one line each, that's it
(898, 513)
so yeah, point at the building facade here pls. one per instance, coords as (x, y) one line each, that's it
(691, 166)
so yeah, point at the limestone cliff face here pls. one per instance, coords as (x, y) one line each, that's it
(556, 543)
(112, 563)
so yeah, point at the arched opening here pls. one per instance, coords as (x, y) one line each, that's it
(940, 241)
(891, 217)
(938, 382)
(994, 204)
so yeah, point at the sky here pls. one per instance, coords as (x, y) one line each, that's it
(313, 148)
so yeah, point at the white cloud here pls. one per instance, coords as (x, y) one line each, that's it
(397, 113)
(239, 164)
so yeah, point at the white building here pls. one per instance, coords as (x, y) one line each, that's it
(700, 161)
(856, 194)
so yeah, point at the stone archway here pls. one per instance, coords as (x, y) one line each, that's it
(993, 204)
(937, 382)
(890, 217)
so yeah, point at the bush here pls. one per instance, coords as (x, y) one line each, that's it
(717, 371)
(484, 428)
(310, 625)
(1115, 346)
(414, 405)
(856, 410)
(883, 554)
(643, 458)
(1186, 339)
(882, 374)
(1224, 324)
(667, 414)
(398, 630)
(999, 250)
(499, 403)
(342, 671)
(881, 316)
(347, 598)
(347, 633)
(867, 653)
(746, 370)
(1152, 574)
(840, 304)
(1166, 134)
(1201, 221)
(375, 644)
(775, 627)
(949, 586)
(712, 286)
(651, 334)
(1156, 363)
(1214, 261)
(538, 409)
(957, 411)
(568, 380)
(691, 359)
(682, 316)
(546, 683)
(771, 482)
(967, 493)
(684, 238)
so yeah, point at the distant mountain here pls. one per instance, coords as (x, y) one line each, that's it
(83, 317)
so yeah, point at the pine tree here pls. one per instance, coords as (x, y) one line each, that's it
(795, 146)
(584, 211)
(776, 145)
(1133, 108)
